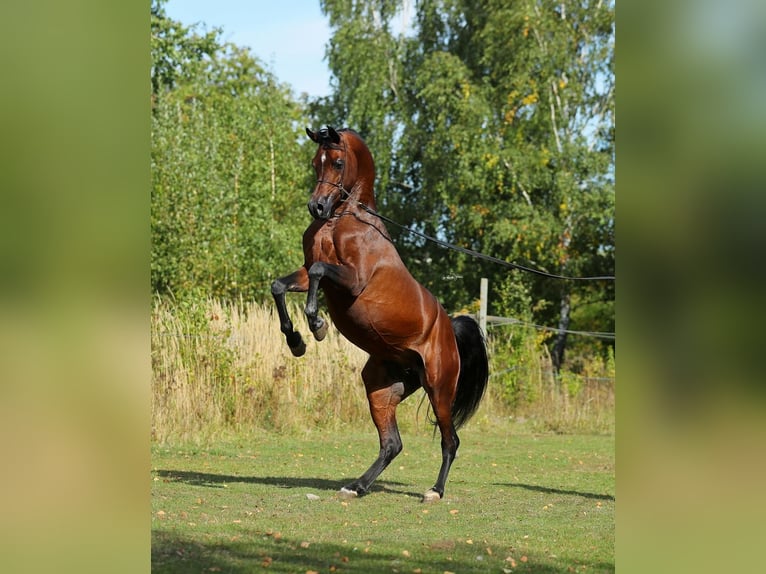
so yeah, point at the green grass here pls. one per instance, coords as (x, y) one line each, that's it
(514, 503)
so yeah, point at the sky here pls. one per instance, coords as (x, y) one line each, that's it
(288, 36)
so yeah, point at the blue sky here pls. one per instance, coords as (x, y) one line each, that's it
(288, 36)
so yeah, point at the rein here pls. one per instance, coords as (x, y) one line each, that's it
(345, 195)
(477, 254)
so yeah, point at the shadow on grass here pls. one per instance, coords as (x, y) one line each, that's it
(253, 551)
(218, 480)
(547, 490)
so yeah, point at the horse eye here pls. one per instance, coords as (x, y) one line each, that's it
(338, 164)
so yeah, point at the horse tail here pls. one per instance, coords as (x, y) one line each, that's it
(474, 368)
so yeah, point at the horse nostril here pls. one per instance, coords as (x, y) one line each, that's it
(317, 209)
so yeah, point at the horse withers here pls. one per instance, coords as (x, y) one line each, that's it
(374, 301)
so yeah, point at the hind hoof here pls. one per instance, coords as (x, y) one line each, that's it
(431, 496)
(347, 494)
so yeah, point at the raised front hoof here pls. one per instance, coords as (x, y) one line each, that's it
(431, 496)
(297, 346)
(321, 331)
(347, 494)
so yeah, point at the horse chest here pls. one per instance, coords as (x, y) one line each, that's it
(327, 250)
(322, 246)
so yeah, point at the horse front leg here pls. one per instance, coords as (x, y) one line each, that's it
(295, 282)
(341, 275)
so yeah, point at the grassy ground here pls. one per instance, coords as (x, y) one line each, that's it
(514, 503)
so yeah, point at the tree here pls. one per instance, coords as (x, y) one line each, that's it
(366, 59)
(176, 50)
(493, 127)
(228, 172)
(558, 84)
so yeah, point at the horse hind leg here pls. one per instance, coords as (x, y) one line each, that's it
(441, 401)
(385, 391)
(449, 444)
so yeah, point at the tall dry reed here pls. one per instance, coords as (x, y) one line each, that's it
(224, 368)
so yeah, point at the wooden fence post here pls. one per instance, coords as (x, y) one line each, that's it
(483, 305)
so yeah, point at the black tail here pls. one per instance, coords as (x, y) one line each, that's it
(474, 369)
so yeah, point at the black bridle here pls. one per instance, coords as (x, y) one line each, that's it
(345, 194)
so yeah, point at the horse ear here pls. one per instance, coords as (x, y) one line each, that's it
(334, 136)
(311, 135)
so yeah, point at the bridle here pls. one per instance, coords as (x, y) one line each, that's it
(345, 194)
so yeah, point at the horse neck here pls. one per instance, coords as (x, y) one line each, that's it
(365, 182)
(365, 193)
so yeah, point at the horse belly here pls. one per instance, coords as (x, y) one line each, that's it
(382, 326)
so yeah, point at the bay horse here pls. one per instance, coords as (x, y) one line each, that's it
(375, 302)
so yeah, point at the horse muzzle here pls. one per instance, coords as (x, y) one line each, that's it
(321, 208)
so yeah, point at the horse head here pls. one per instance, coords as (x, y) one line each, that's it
(343, 166)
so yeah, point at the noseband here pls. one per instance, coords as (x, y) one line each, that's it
(339, 185)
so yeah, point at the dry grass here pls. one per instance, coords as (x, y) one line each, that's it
(224, 368)
(524, 386)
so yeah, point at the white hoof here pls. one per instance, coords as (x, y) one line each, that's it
(347, 494)
(431, 496)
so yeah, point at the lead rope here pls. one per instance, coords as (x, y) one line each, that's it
(479, 255)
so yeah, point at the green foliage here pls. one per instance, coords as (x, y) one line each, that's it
(516, 368)
(503, 140)
(177, 51)
(491, 124)
(228, 172)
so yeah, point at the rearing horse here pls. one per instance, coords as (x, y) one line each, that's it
(377, 305)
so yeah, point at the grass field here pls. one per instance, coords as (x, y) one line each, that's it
(514, 503)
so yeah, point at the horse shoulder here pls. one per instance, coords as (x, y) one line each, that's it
(318, 243)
